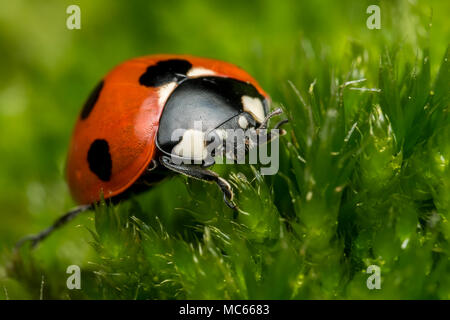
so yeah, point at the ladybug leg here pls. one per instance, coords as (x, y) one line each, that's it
(199, 173)
(279, 124)
(37, 238)
(269, 116)
(281, 132)
(153, 165)
(269, 135)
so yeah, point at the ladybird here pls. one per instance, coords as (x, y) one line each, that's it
(123, 142)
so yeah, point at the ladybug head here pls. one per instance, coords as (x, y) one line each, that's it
(204, 115)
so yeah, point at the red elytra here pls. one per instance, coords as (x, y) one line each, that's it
(126, 115)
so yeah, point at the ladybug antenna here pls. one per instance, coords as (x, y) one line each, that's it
(37, 238)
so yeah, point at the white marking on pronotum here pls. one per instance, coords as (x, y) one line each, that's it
(243, 123)
(254, 106)
(165, 91)
(192, 145)
(199, 71)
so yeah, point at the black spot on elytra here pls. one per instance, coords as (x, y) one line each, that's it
(164, 72)
(91, 101)
(99, 159)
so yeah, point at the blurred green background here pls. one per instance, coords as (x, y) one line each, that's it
(47, 71)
